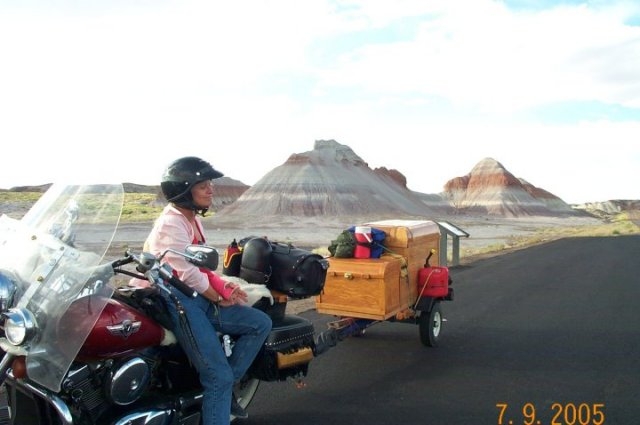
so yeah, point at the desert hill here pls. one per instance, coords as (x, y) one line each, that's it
(331, 181)
(613, 206)
(608, 209)
(492, 190)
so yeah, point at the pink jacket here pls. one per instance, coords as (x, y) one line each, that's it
(173, 230)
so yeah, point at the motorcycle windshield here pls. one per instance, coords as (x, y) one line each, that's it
(53, 254)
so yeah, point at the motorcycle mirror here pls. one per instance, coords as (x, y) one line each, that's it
(203, 256)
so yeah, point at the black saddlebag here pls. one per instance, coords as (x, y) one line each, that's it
(287, 350)
(296, 272)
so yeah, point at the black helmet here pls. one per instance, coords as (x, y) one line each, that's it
(181, 175)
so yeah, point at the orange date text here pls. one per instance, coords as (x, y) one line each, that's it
(556, 414)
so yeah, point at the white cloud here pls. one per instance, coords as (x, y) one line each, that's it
(428, 88)
(501, 61)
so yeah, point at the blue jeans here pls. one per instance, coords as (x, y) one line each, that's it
(249, 326)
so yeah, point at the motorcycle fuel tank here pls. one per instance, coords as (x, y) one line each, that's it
(119, 330)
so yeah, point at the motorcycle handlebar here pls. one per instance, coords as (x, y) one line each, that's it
(122, 262)
(182, 287)
(150, 266)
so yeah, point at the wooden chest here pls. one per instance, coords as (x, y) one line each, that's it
(413, 240)
(362, 288)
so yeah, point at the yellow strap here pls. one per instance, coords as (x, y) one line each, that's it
(404, 264)
(404, 270)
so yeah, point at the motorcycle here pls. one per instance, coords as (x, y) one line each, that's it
(83, 348)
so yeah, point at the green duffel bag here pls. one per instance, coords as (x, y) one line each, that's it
(344, 246)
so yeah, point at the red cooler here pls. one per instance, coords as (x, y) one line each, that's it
(363, 247)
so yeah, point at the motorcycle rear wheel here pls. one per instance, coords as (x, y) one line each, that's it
(245, 390)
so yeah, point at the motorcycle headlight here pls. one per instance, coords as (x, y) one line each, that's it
(7, 291)
(19, 326)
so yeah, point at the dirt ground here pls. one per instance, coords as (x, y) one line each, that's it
(483, 232)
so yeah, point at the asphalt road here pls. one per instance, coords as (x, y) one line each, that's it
(546, 335)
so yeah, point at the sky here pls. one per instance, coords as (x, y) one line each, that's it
(113, 91)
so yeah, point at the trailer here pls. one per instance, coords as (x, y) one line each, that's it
(405, 284)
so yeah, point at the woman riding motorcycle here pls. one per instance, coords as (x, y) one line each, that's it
(219, 307)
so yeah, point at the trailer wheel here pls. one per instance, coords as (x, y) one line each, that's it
(430, 325)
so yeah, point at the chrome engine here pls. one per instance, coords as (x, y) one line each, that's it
(95, 388)
(109, 389)
(127, 381)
